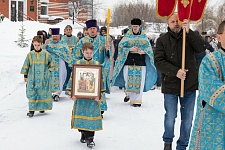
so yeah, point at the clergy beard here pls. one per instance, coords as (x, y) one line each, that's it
(93, 35)
(55, 40)
(176, 30)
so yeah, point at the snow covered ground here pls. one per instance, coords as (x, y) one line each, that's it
(124, 127)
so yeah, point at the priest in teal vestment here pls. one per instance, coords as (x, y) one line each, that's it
(134, 68)
(60, 54)
(209, 127)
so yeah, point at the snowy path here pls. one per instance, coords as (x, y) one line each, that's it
(125, 127)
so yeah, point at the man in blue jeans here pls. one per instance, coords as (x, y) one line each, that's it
(187, 109)
(167, 56)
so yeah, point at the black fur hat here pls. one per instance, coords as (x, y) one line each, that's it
(103, 28)
(91, 23)
(136, 21)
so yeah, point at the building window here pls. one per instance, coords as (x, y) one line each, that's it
(32, 8)
(44, 8)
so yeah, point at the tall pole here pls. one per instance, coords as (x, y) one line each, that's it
(183, 62)
(92, 9)
(202, 26)
(73, 17)
(73, 12)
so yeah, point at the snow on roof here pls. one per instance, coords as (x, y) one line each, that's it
(55, 18)
(70, 22)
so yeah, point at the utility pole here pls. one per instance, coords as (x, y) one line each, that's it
(73, 17)
(92, 9)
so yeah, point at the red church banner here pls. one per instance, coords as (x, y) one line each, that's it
(184, 9)
(192, 10)
(197, 10)
(165, 8)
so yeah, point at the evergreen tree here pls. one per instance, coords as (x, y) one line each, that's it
(1, 17)
(22, 42)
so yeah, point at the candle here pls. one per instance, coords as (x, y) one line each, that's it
(108, 16)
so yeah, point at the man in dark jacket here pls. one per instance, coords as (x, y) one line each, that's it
(168, 58)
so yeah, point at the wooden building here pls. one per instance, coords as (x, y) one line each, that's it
(45, 11)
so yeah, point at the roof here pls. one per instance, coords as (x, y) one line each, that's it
(55, 18)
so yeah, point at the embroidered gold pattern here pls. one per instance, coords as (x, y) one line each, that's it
(198, 137)
(41, 100)
(212, 57)
(185, 3)
(216, 94)
(135, 101)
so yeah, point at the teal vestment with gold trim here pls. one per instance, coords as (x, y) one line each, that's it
(71, 41)
(58, 50)
(37, 67)
(209, 127)
(99, 48)
(141, 41)
(100, 54)
(86, 114)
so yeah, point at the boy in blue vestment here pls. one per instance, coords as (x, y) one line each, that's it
(70, 41)
(101, 53)
(208, 132)
(36, 70)
(86, 114)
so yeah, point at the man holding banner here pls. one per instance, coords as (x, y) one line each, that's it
(167, 58)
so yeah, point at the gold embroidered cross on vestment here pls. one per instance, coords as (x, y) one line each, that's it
(185, 3)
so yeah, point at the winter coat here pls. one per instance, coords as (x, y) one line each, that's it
(168, 57)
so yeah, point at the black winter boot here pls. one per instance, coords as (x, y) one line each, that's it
(167, 146)
(30, 114)
(126, 99)
(90, 142)
(102, 112)
(55, 97)
(136, 105)
(82, 139)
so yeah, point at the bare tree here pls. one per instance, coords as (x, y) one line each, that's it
(123, 13)
(208, 22)
(220, 15)
(211, 19)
